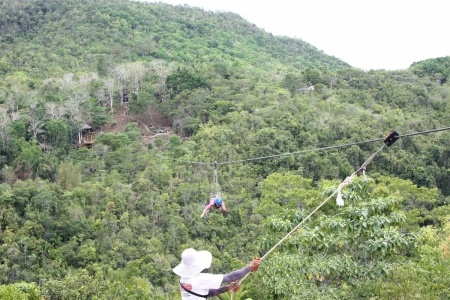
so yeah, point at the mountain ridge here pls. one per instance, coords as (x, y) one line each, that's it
(126, 30)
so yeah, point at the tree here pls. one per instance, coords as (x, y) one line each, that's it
(36, 115)
(19, 291)
(106, 93)
(5, 121)
(68, 176)
(28, 161)
(286, 191)
(184, 79)
(360, 240)
(57, 134)
(162, 69)
(423, 277)
(129, 78)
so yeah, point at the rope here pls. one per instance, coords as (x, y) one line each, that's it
(216, 181)
(341, 185)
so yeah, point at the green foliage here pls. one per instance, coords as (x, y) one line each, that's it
(437, 69)
(20, 291)
(184, 80)
(239, 295)
(80, 285)
(287, 191)
(29, 158)
(424, 277)
(68, 176)
(109, 222)
(114, 141)
(58, 134)
(358, 241)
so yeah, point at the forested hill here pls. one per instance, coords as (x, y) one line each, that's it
(97, 201)
(50, 37)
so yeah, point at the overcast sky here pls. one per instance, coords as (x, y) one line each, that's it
(367, 34)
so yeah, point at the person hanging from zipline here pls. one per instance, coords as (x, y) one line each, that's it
(215, 202)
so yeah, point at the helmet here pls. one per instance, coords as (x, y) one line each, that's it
(218, 201)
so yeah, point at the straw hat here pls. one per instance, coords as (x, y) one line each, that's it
(193, 262)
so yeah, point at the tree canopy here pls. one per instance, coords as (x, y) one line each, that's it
(115, 117)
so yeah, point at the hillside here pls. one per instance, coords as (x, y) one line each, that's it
(271, 123)
(91, 35)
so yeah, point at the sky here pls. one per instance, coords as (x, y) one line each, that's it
(367, 34)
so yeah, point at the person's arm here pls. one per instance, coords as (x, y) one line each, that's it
(233, 278)
(224, 208)
(215, 292)
(234, 286)
(207, 207)
(238, 274)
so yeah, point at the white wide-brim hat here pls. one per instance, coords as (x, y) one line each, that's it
(193, 262)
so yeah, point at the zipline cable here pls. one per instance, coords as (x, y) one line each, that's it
(424, 132)
(302, 151)
(273, 156)
(388, 141)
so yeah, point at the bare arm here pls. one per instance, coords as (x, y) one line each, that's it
(207, 207)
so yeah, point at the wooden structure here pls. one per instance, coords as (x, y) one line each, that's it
(124, 98)
(86, 136)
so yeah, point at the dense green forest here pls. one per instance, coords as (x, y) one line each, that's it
(281, 123)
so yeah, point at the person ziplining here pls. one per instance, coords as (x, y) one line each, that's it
(215, 201)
